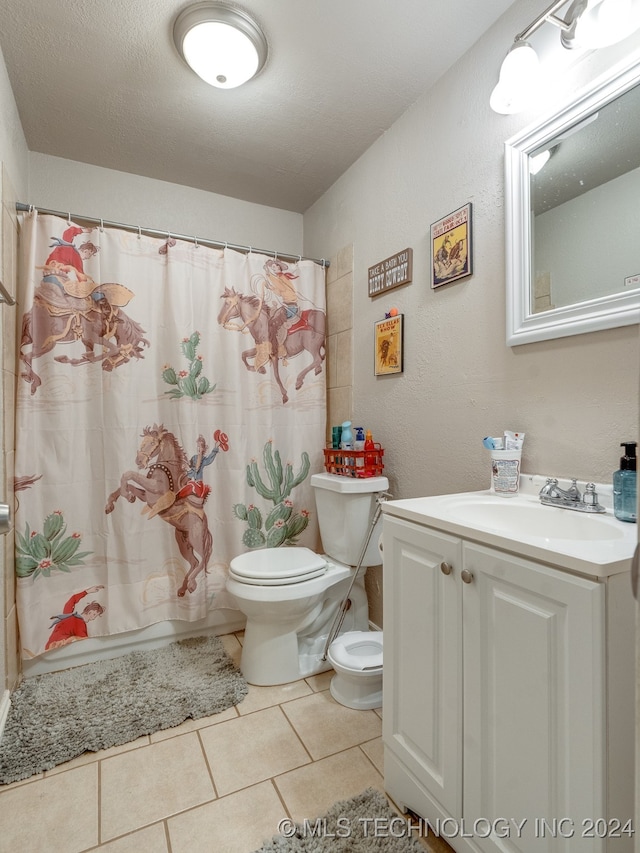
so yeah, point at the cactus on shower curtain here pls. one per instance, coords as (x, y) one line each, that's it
(282, 525)
(41, 553)
(191, 382)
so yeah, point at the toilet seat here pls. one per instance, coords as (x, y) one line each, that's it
(277, 566)
(359, 651)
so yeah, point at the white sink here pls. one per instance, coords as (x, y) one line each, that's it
(596, 544)
(523, 518)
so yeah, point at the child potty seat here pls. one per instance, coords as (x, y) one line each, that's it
(358, 651)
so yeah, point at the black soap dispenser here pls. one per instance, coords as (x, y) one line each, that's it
(625, 485)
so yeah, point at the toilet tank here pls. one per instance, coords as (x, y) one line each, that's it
(346, 507)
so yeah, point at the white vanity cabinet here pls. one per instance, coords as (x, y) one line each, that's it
(508, 696)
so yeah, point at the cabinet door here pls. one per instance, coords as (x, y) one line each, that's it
(422, 721)
(533, 702)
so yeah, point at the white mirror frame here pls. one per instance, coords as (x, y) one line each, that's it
(606, 312)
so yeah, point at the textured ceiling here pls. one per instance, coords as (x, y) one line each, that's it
(101, 83)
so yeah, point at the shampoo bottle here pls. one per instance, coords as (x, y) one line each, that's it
(624, 484)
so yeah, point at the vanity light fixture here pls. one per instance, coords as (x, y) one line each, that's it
(223, 45)
(594, 25)
(587, 24)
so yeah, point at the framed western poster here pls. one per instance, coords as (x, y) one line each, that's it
(388, 345)
(451, 247)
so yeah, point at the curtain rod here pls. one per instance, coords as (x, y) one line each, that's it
(223, 244)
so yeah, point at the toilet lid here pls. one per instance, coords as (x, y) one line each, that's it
(277, 566)
(358, 650)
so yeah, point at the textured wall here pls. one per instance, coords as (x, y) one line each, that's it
(576, 398)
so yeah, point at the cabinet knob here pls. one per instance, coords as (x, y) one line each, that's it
(445, 568)
(466, 576)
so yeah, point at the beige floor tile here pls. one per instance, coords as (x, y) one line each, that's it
(152, 839)
(321, 681)
(59, 814)
(325, 726)
(236, 823)
(374, 750)
(309, 791)
(193, 725)
(146, 785)
(89, 757)
(266, 697)
(231, 644)
(250, 749)
(436, 845)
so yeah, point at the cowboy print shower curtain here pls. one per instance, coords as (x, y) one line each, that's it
(170, 411)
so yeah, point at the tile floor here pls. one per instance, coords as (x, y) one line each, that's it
(216, 785)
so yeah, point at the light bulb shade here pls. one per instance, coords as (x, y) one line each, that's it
(600, 24)
(520, 65)
(519, 80)
(224, 46)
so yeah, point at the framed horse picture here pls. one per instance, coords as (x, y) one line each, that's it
(451, 247)
(389, 345)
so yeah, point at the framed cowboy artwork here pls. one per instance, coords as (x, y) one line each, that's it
(451, 257)
(388, 345)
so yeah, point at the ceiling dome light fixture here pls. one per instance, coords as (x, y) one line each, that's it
(224, 46)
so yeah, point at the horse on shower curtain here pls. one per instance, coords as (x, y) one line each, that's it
(114, 398)
(259, 319)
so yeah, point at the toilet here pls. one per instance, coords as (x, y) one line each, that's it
(356, 657)
(291, 595)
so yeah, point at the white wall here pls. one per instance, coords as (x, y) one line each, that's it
(575, 398)
(82, 189)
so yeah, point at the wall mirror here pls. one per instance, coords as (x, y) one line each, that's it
(572, 204)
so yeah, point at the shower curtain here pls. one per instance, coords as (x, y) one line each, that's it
(170, 411)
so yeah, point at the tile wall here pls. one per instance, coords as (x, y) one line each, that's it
(340, 379)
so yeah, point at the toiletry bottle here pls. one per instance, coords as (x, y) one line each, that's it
(346, 439)
(369, 457)
(624, 484)
(358, 445)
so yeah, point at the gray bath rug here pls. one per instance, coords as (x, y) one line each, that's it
(57, 716)
(364, 824)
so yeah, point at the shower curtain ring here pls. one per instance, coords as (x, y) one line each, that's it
(102, 225)
(139, 233)
(69, 218)
(195, 240)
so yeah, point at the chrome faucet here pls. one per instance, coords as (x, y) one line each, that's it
(552, 495)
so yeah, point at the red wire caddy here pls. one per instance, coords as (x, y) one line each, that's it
(354, 463)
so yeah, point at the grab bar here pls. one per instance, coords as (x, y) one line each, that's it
(5, 518)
